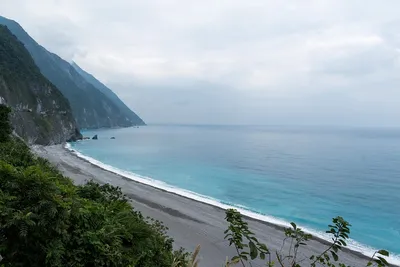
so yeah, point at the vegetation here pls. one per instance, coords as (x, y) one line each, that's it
(249, 248)
(41, 114)
(92, 106)
(45, 220)
(5, 130)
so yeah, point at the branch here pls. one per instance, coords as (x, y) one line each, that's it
(328, 249)
(279, 259)
(241, 260)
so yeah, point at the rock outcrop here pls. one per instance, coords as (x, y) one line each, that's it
(93, 105)
(40, 113)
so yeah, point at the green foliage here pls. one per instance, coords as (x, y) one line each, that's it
(109, 94)
(377, 259)
(340, 231)
(246, 244)
(239, 235)
(184, 259)
(297, 239)
(16, 62)
(41, 114)
(45, 220)
(92, 106)
(5, 129)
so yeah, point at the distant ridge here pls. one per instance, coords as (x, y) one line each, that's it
(93, 106)
(108, 92)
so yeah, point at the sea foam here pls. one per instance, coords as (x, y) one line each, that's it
(351, 244)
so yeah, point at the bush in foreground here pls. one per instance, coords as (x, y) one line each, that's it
(45, 220)
(249, 248)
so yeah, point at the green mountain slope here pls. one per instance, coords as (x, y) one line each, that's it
(109, 93)
(41, 114)
(91, 107)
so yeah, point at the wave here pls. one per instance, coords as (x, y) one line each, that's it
(351, 244)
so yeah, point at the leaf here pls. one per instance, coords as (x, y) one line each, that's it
(253, 250)
(293, 225)
(263, 247)
(262, 256)
(383, 252)
(383, 260)
(369, 263)
(335, 256)
(235, 259)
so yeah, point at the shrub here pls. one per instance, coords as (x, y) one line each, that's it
(248, 247)
(5, 129)
(45, 220)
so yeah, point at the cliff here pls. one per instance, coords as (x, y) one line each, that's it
(110, 94)
(40, 113)
(91, 107)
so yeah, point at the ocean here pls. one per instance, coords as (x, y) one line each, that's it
(307, 175)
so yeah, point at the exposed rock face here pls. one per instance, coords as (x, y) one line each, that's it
(40, 113)
(93, 106)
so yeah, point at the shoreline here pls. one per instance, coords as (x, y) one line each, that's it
(279, 227)
(73, 168)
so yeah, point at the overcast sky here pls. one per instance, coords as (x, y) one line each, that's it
(232, 62)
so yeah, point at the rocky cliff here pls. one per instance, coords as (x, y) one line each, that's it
(90, 106)
(40, 113)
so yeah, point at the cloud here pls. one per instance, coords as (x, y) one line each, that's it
(280, 62)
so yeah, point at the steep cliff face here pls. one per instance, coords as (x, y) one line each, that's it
(41, 114)
(90, 106)
(132, 116)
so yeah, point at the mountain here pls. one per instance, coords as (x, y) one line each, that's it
(40, 113)
(108, 92)
(91, 107)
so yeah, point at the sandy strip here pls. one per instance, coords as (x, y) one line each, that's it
(190, 222)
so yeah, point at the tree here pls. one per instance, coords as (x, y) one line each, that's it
(5, 129)
(45, 220)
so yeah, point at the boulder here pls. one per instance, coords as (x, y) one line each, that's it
(72, 139)
(112, 137)
(95, 137)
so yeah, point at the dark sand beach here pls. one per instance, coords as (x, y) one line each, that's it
(190, 222)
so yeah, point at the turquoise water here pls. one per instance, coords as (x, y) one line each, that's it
(306, 175)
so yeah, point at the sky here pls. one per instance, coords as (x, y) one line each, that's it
(268, 62)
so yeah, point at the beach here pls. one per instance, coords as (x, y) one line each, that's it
(190, 222)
